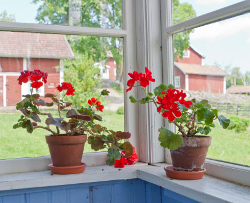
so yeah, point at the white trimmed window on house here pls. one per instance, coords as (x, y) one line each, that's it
(186, 54)
(177, 82)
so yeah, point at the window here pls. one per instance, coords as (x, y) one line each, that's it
(186, 54)
(177, 81)
(73, 33)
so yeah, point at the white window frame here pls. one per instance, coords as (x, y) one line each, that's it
(177, 81)
(220, 169)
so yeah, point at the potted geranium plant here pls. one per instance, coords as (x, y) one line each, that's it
(193, 120)
(67, 138)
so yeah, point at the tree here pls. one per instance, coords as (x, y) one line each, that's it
(84, 77)
(181, 12)
(5, 17)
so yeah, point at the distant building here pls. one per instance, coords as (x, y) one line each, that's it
(192, 74)
(30, 51)
(239, 89)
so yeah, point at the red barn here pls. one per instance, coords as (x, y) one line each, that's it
(191, 74)
(29, 51)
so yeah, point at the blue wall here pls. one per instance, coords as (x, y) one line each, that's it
(127, 191)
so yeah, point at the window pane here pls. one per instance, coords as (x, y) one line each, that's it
(218, 70)
(88, 13)
(89, 63)
(187, 9)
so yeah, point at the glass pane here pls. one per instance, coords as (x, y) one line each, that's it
(187, 9)
(89, 13)
(217, 69)
(91, 64)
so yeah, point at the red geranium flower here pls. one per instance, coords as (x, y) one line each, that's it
(169, 103)
(24, 77)
(92, 101)
(132, 159)
(66, 86)
(120, 163)
(36, 84)
(99, 107)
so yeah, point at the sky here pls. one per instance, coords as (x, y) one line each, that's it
(225, 43)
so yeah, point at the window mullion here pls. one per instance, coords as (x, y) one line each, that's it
(167, 56)
(60, 29)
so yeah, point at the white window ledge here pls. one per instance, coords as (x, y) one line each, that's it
(208, 189)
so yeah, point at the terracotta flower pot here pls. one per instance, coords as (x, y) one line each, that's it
(66, 151)
(188, 160)
(191, 155)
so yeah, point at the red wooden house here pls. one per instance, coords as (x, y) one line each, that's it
(191, 74)
(29, 51)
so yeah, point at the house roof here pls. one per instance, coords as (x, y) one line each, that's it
(239, 89)
(198, 52)
(200, 70)
(34, 45)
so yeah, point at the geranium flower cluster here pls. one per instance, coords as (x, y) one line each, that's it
(169, 103)
(33, 76)
(66, 86)
(126, 161)
(94, 102)
(140, 77)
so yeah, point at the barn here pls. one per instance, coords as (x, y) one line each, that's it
(192, 74)
(21, 51)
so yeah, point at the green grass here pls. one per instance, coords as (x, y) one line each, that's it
(227, 145)
(17, 143)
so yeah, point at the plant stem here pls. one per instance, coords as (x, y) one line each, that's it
(46, 128)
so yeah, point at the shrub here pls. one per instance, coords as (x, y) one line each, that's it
(238, 123)
(120, 110)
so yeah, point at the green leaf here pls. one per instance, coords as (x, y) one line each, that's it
(105, 92)
(128, 148)
(204, 130)
(159, 89)
(204, 114)
(123, 135)
(215, 111)
(145, 100)
(97, 117)
(225, 122)
(206, 103)
(134, 100)
(169, 140)
(112, 155)
(96, 142)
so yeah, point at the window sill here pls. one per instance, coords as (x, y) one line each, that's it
(207, 189)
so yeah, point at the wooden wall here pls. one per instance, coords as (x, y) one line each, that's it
(127, 191)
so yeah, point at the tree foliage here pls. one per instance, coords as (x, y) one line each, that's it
(84, 77)
(105, 14)
(182, 12)
(5, 17)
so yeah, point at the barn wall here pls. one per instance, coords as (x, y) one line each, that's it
(52, 82)
(193, 59)
(1, 90)
(11, 64)
(112, 68)
(211, 84)
(13, 90)
(46, 65)
(178, 72)
(128, 191)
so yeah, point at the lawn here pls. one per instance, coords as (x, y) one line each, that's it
(227, 145)
(17, 143)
